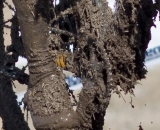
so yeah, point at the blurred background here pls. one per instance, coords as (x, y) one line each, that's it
(125, 113)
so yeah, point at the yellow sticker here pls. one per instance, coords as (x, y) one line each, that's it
(61, 60)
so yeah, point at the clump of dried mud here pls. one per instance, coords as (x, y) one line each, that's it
(108, 51)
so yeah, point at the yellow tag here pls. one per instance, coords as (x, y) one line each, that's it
(61, 60)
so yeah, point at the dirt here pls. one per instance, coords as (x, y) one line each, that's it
(108, 51)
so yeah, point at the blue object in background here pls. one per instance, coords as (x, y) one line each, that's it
(70, 80)
(152, 53)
